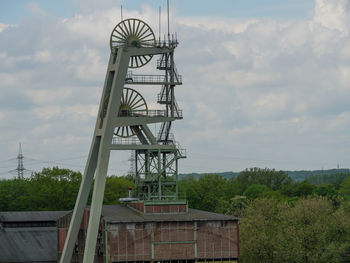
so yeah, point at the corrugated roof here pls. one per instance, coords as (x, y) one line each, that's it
(35, 244)
(31, 216)
(124, 214)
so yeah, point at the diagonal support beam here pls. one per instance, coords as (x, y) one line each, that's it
(149, 134)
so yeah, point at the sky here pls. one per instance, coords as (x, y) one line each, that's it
(265, 83)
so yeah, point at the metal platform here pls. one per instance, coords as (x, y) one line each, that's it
(139, 79)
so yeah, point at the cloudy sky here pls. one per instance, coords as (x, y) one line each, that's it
(266, 83)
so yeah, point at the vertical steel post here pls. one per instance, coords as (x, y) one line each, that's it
(195, 239)
(159, 176)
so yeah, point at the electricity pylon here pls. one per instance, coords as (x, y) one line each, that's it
(20, 170)
(122, 124)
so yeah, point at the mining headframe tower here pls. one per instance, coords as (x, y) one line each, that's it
(156, 224)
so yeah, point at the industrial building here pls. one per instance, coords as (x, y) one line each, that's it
(29, 236)
(137, 232)
(141, 232)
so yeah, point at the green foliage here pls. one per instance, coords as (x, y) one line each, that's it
(326, 190)
(335, 179)
(303, 189)
(53, 189)
(259, 230)
(207, 193)
(300, 189)
(13, 194)
(268, 177)
(256, 190)
(116, 187)
(345, 188)
(311, 230)
(237, 205)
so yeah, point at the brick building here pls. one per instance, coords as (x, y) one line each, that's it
(146, 232)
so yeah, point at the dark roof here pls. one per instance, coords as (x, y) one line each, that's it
(34, 244)
(124, 214)
(31, 216)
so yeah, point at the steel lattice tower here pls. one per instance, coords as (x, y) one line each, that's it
(20, 166)
(122, 124)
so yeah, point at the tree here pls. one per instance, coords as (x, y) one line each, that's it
(311, 230)
(260, 231)
(268, 177)
(345, 188)
(116, 187)
(207, 193)
(303, 189)
(325, 190)
(256, 190)
(54, 189)
(236, 205)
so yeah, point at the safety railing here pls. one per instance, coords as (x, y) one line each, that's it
(163, 198)
(166, 139)
(169, 139)
(182, 152)
(148, 113)
(126, 141)
(155, 79)
(172, 43)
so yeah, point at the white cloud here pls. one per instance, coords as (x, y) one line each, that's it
(333, 14)
(228, 25)
(3, 26)
(254, 89)
(42, 56)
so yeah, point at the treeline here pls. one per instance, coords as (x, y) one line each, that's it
(54, 189)
(294, 175)
(218, 194)
(281, 220)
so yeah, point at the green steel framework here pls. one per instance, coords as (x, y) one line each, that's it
(122, 124)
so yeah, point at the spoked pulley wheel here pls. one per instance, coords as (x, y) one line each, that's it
(135, 33)
(131, 101)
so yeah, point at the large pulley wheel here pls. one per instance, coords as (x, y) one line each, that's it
(131, 101)
(135, 33)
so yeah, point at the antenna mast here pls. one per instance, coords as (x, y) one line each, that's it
(160, 20)
(168, 20)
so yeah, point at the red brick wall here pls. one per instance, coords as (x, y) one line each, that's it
(133, 241)
(138, 206)
(217, 239)
(130, 242)
(62, 233)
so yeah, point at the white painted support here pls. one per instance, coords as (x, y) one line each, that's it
(149, 135)
(121, 67)
(80, 204)
(86, 183)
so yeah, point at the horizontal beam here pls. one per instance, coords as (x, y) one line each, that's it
(130, 82)
(122, 147)
(174, 242)
(133, 121)
(143, 51)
